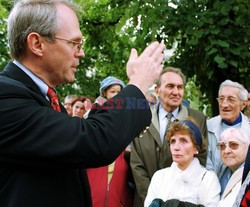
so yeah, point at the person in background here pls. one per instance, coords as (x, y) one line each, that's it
(43, 150)
(109, 87)
(110, 184)
(151, 97)
(186, 180)
(67, 103)
(78, 107)
(150, 151)
(247, 109)
(232, 99)
(233, 145)
(88, 104)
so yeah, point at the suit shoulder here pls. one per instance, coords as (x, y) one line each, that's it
(194, 112)
(213, 121)
(9, 82)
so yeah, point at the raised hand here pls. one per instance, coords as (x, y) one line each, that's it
(143, 70)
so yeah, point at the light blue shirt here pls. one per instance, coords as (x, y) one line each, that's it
(224, 179)
(41, 85)
(163, 120)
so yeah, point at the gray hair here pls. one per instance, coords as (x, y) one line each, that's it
(173, 70)
(33, 16)
(243, 92)
(70, 96)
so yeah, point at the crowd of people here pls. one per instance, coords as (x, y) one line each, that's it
(131, 146)
(185, 159)
(212, 172)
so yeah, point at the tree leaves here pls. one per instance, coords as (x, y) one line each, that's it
(212, 38)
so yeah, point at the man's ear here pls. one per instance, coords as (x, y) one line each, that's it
(157, 90)
(35, 43)
(243, 105)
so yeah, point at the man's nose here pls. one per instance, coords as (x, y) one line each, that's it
(175, 90)
(224, 103)
(80, 54)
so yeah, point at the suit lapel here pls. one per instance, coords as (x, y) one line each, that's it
(14, 72)
(183, 112)
(155, 127)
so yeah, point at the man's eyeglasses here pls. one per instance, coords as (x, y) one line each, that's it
(230, 100)
(75, 44)
(231, 144)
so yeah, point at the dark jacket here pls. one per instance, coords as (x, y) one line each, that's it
(43, 151)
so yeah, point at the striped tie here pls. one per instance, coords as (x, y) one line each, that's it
(169, 117)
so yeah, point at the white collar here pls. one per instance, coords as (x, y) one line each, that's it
(40, 83)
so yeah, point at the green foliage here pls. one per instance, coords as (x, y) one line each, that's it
(196, 98)
(212, 39)
(4, 56)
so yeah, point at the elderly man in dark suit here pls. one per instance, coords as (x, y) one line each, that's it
(43, 152)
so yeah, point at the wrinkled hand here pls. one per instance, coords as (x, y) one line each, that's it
(143, 70)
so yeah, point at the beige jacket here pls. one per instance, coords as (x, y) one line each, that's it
(232, 189)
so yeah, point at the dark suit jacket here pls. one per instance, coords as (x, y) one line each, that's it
(43, 151)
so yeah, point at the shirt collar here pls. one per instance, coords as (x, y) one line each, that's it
(162, 112)
(41, 85)
(237, 121)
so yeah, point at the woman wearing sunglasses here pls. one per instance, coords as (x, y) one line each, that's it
(233, 147)
(186, 182)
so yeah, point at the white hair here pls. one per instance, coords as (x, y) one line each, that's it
(236, 133)
(243, 92)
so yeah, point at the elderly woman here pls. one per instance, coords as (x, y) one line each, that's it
(186, 181)
(233, 147)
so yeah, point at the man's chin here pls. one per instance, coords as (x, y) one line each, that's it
(70, 79)
(175, 104)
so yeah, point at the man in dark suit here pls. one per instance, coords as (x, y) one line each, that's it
(42, 151)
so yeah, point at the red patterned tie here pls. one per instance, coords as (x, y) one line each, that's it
(53, 99)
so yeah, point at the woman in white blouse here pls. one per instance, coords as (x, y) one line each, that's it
(186, 179)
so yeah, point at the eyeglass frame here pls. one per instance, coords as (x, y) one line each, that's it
(229, 144)
(75, 43)
(230, 99)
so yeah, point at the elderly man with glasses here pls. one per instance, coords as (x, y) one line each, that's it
(232, 100)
